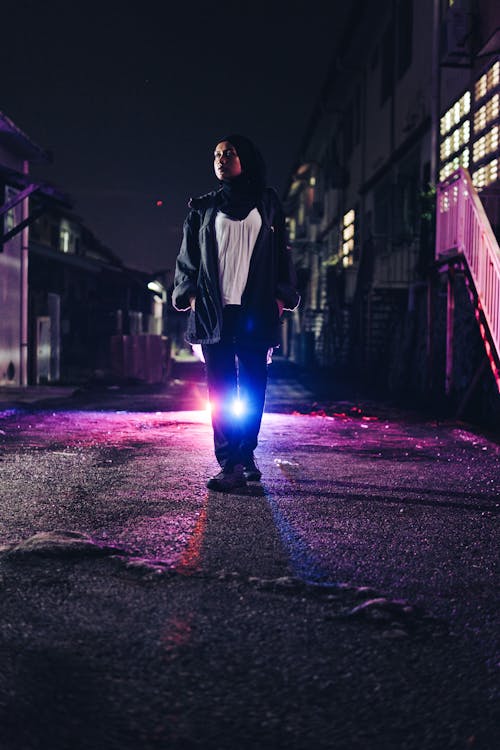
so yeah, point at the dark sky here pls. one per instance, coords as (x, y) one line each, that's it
(132, 97)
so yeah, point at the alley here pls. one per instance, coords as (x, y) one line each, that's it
(349, 600)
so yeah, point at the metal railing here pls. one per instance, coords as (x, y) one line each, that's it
(463, 229)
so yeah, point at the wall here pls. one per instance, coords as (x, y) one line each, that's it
(10, 293)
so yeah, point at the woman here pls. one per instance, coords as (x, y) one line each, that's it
(234, 274)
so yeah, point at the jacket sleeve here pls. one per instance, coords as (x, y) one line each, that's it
(286, 278)
(187, 264)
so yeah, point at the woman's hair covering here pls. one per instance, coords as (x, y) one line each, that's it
(252, 163)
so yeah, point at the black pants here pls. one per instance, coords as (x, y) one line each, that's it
(235, 371)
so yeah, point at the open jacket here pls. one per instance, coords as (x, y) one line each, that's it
(271, 274)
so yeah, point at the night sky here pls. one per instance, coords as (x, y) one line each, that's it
(131, 99)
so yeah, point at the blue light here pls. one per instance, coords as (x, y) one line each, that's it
(238, 407)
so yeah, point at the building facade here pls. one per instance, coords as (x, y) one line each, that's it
(412, 94)
(84, 304)
(71, 310)
(17, 150)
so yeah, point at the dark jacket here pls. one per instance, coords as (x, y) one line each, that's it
(271, 275)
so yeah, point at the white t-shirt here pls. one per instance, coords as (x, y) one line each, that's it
(235, 242)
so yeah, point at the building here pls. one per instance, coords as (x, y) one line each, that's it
(17, 150)
(71, 310)
(412, 94)
(81, 299)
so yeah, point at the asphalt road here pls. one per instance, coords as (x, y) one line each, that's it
(348, 601)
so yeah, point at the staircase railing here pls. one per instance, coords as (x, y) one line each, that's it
(463, 229)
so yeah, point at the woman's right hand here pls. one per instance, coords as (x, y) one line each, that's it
(192, 302)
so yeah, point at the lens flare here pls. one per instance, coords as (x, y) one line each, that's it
(238, 407)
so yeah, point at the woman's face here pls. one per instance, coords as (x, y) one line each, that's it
(227, 164)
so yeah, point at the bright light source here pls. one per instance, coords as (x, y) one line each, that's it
(156, 286)
(238, 407)
(208, 407)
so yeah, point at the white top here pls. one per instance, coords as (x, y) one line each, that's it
(235, 242)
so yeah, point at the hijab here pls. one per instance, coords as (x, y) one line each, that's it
(242, 193)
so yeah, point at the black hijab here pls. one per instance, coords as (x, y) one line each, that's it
(242, 193)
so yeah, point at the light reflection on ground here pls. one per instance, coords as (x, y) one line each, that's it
(137, 479)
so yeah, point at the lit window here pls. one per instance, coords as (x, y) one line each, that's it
(487, 144)
(347, 243)
(348, 232)
(487, 113)
(460, 160)
(455, 141)
(487, 174)
(488, 81)
(349, 218)
(10, 216)
(456, 113)
(65, 237)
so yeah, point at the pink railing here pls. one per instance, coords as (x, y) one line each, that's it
(462, 228)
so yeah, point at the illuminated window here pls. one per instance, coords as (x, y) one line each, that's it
(456, 113)
(486, 127)
(64, 240)
(486, 145)
(455, 128)
(487, 113)
(10, 218)
(347, 243)
(487, 174)
(65, 237)
(461, 160)
(455, 141)
(488, 81)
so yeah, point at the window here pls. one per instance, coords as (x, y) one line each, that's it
(455, 130)
(64, 240)
(487, 174)
(456, 113)
(486, 145)
(348, 238)
(461, 160)
(487, 113)
(65, 237)
(487, 82)
(10, 219)
(486, 127)
(455, 141)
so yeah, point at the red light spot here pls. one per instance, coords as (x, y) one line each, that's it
(159, 203)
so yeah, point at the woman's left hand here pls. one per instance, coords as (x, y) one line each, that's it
(281, 306)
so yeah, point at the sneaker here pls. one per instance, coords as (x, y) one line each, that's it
(227, 479)
(251, 471)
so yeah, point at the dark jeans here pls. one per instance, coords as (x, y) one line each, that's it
(235, 370)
